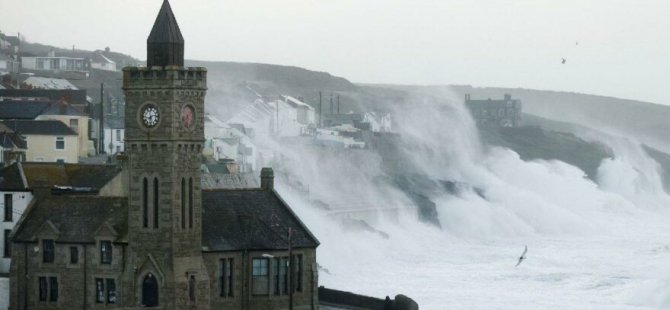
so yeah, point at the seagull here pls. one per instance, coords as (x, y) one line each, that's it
(563, 61)
(522, 257)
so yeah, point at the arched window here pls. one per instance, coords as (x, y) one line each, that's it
(156, 205)
(149, 291)
(190, 203)
(145, 203)
(183, 203)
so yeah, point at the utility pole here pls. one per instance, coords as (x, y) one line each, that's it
(331, 103)
(290, 270)
(278, 117)
(320, 108)
(101, 134)
(338, 104)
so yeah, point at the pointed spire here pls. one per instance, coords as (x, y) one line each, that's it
(165, 45)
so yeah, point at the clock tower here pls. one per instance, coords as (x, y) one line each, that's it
(164, 138)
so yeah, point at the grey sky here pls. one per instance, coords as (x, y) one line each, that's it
(623, 50)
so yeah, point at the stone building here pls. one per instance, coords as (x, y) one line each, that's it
(167, 244)
(495, 113)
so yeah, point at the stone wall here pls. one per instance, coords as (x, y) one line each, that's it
(242, 297)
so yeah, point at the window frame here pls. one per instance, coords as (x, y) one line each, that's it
(226, 279)
(62, 141)
(9, 207)
(260, 272)
(48, 251)
(8, 246)
(106, 257)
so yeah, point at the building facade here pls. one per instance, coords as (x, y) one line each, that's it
(47, 140)
(166, 243)
(495, 113)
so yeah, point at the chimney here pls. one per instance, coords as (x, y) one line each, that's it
(508, 97)
(267, 179)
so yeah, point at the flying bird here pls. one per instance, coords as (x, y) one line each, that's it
(523, 256)
(563, 61)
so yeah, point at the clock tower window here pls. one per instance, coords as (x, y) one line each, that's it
(145, 203)
(190, 203)
(156, 202)
(183, 203)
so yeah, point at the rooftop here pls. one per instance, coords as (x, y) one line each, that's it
(252, 219)
(46, 128)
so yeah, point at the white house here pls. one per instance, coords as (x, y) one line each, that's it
(54, 63)
(101, 62)
(114, 135)
(15, 197)
(47, 140)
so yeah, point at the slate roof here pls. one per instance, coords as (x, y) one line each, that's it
(252, 219)
(75, 175)
(22, 109)
(32, 127)
(77, 218)
(72, 96)
(62, 108)
(49, 83)
(11, 179)
(165, 29)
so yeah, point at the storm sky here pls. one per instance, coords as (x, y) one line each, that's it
(612, 47)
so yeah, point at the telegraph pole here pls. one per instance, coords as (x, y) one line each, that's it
(290, 270)
(102, 120)
(320, 111)
(338, 104)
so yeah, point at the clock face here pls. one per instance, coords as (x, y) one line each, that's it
(187, 116)
(150, 116)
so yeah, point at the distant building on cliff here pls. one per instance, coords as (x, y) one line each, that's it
(495, 113)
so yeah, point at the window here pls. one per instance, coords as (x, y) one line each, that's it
(9, 208)
(40, 63)
(183, 203)
(74, 124)
(226, 278)
(8, 245)
(297, 273)
(190, 203)
(48, 251)
(280, 267)
(74, 255)
(145, 203)
(118, 135)
(55, 64)
(44, 288)
(99, 291)
(156, 196)
(191, 288)
(60, 143)
(259, 275)
(53, 289)
(48, 288)
(105, 252)
(105, 291)
(111, 291)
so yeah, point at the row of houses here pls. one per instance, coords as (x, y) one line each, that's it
(14, 60)
(55, 125)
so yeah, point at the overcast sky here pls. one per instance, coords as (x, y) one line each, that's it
(612, 47)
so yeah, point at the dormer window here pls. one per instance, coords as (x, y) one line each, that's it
(105, 252)
(48, 251)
